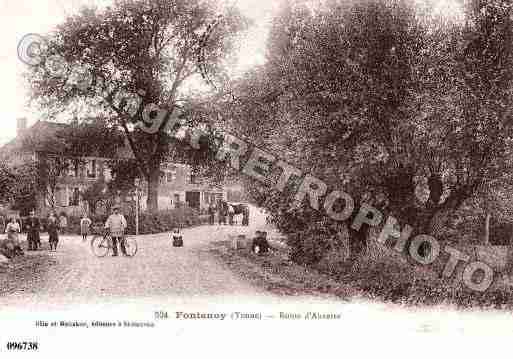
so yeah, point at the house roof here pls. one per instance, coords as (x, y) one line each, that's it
(43, 137)
(35, 138)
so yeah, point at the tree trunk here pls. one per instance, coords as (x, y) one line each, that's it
(422, 222)
(92, 208)
(153, 189)
(438, 222)
(487, 230)
(357, 243)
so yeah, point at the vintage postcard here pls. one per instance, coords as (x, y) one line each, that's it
(249, 178)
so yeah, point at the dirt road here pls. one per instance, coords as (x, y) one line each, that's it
(158, 270)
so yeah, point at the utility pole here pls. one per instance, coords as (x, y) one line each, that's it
(137, 206)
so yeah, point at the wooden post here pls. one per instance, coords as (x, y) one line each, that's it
(137, 207)
(137, 212)
(509, 260)
(487, 230)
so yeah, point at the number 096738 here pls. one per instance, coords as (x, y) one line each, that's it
(22, 346)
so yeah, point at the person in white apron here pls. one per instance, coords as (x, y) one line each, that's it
(13, 229)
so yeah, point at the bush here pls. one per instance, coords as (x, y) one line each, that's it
(500, 233)
(311, 245)
(162, 221)
(392, 282)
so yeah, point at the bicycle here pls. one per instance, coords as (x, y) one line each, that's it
(101, 245)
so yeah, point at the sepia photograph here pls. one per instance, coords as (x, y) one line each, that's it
(249, 178)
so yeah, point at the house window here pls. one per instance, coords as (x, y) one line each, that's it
(69, 166)
(107, 174)
(81, 168)
(99, 165)
(61, 198)
(73, 168)
(91, 169)
(75, 197)
(171, 176)
(193, 177)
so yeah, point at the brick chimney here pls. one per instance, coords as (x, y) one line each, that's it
(21, 126)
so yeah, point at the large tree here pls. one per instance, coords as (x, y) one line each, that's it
(148, 48)
(401, 109)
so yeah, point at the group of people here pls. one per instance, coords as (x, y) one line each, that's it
(116, 224)
(33, 226)
(226, 210)
(223, 210)
(54, 226)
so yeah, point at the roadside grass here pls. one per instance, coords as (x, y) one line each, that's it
(276, 274)
(385, 282)
(25, 273)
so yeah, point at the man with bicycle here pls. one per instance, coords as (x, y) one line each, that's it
(116, 224)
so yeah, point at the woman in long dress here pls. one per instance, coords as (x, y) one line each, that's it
(33, 225)
(53, 234)
(13, 229)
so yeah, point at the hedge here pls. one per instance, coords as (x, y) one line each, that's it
(149, 223)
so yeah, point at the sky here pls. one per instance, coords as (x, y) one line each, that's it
(20, 17)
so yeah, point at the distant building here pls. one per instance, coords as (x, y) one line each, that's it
(178, 185)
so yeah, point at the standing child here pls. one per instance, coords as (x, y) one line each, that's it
(52, 228)
(85, 224)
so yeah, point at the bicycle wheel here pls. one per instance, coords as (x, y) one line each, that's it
(100, 246)
(130, 246)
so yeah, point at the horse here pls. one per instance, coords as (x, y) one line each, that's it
(243, 209)
(238, 209)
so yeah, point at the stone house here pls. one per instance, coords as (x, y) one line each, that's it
(178, 185)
